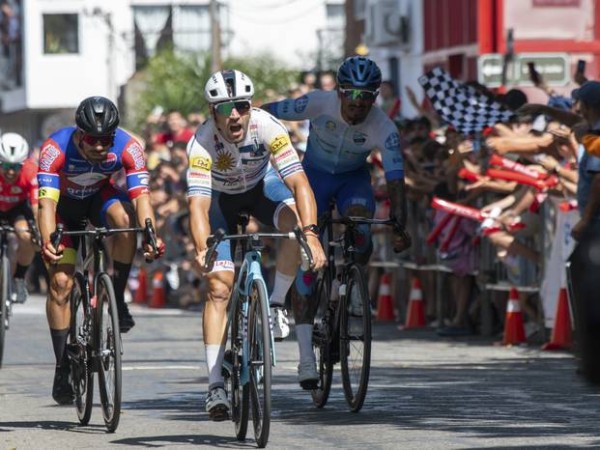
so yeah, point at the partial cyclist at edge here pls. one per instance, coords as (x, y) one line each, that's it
(18, 203)
(345, 127)
(75, 184)
(228, 159)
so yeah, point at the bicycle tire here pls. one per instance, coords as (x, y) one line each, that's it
(4, 300)
(322, 342)
(260, 362)
(355, 333)
(240, 395)
(108, 345)
(82, 375)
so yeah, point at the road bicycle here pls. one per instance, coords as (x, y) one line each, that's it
(248, 362)
(94, 343)
(6, 292)
(342, 327)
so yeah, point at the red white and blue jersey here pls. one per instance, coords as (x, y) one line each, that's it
(64, 171)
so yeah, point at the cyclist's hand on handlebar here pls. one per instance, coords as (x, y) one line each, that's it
(51, 254)
(402, 240)
(318, 255)
(201, 265)
(150, 254)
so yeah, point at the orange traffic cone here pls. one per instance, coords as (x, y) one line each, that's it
(561, 333)
(385, 306)
(141, 293)
(158, 299)
(514, 331)
(415, 315)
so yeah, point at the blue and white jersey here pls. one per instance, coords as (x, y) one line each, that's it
(336, 147)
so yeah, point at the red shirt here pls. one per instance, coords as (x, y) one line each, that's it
(184, 135)
(25, 187)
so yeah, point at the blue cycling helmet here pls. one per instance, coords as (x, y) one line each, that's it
(359, 72)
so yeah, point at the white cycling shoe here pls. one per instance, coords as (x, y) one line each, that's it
(217, 404)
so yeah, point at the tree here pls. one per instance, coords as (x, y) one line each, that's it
(176, 81)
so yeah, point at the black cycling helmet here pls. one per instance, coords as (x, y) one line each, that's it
(359, 72)
(97, 116)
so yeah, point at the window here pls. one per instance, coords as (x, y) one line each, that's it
(61, 34)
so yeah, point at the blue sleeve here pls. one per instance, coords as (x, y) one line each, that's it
(391, 156)
(592, 164)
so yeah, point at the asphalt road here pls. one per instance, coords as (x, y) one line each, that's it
(425, 392)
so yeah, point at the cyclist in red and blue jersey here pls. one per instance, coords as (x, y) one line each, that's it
(75, 184)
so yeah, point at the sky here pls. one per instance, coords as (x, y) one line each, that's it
(286, 28)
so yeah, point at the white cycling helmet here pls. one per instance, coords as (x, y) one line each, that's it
(228, 85)
(13, 148)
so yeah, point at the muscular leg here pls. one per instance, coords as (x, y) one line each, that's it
(288, 257)
(26, 251)
(214, 323)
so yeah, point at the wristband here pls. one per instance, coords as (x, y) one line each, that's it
(312, 228)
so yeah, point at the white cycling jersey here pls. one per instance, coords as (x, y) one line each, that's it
(333, 145)
(217, 164)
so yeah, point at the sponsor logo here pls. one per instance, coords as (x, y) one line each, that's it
(218, 145)
(359, 138)
(300, 104)
(144, 179)
(225, 161)
(198, 175)
(9, 198)
(48, 156)
(330, 125)
(15, 190)
(136, 152)
(279, 142)
(110, 162)
(392, 142)
(44, 179)
(200, 162)
(87, 179)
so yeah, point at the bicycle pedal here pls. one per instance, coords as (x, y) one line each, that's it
(219, 414)
(309, 385)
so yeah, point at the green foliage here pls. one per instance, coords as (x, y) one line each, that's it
(175, 81)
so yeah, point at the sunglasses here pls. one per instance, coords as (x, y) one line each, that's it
(226, 108)
(105, 141)
(14, 166)
(359, 94)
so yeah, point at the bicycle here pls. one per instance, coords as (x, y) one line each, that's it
(342, 327)
(6, 299)
(94, 343)
(248, 363)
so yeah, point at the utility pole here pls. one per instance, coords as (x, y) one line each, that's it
(215, 42)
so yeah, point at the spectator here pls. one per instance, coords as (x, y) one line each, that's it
(177, 130)
(388, 100)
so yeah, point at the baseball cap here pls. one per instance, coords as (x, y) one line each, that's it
(588, 93)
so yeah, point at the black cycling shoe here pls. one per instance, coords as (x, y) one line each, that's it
(62, 391)
(126, 322)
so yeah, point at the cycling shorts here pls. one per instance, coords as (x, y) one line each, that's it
(21, 211)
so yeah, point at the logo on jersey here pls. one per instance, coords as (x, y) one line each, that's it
(281, 141)
(15, 190)
(200, 162)
(300, 104)
(218, 144)
(330, 125)
(136, 152)
(392, 142)
(110, 162)
(224, 162)
(48, 156)
(359, 138)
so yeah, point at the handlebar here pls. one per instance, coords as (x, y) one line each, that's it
(214, 240)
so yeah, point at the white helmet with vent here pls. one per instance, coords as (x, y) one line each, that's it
(228, 85)
(13, 148)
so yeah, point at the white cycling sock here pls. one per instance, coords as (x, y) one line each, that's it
(214, 361)
(281, 287)
(304, 336)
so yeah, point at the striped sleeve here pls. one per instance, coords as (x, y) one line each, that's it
(199, 179)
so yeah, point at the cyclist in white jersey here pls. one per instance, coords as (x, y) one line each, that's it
(345, 127)
(228, 159)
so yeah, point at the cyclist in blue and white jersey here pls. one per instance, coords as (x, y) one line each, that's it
(228, 160)
(345, 127)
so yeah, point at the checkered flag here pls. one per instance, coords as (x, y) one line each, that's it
(460, 105)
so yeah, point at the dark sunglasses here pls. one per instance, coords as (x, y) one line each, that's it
(14, 166)
(105, 141)
(226, 108)
(359, 94)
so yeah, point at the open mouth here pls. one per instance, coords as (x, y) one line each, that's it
(235, 128)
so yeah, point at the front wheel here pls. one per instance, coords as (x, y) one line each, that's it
(82, 375)
(109, 352)
(355, 338)
(260, 363)
(240, 395)
(322, 341)
(4, 299)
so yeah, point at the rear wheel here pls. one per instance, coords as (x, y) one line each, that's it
(355, 338)
(109, 352)
(322, 341)
(82, 375)
(260, 364)
(240, 395)
(4, 299)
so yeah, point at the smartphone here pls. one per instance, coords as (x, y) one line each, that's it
(534, 76)
(581, 66)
